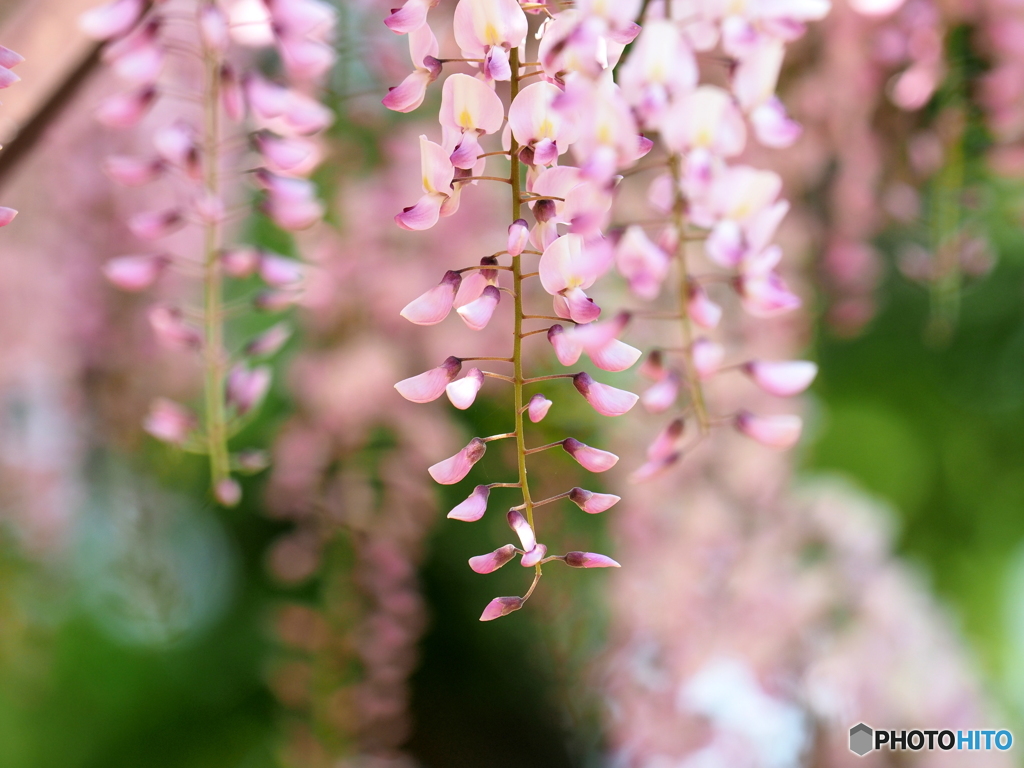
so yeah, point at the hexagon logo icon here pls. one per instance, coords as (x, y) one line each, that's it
(861, 738)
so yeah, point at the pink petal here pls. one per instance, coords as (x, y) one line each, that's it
(701, 309)
(270, 341)
(409, 17)
(654, 366)
(213, 28)
(773, 127)
(767, 296)
(481, 24)
(431, 384)
(423, 215)
(597, 335)
(434, 305)
(518, 237)
(410, 93)
(707, 357)
(124, 110)
(538, 408)
(725, 245)
(462, 392)
(231, 94)
(491, 562)
(241, 262)
(280, 271)
(592, 459)
(591, 502)
(268, 100)
(169, 325)
(7, 215)
(471, 510)
(153, 225)
(784, 378)
(655, 467)
(641, 262)
(7, 78)
(567, 349)
(135, 273)
(589, 560)
(169, 422)
(615, 356)
(582, 308)
(667, 441)
(9, 59)
(132, 171)
(608, 401)
(436, 169)
(661, 396)
(452, 470)
(228, 492)
(477, 314)
(468, 104)
(473, 285)
(496, 64)
(517, 522)
(111, 20)
(534, 556)
(247, 387)
(284, 154)
(305, 58)
(774, 431)
(501, 606)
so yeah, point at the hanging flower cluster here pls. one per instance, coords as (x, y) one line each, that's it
(8, 61)
(559, 103)
(202, 153)
(704, 194)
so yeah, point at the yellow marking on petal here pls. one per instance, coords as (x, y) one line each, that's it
(466, 119)
(491, 36)
(545, 130)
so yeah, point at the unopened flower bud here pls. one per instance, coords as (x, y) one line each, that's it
(132, 171)
(462, 392)
(774, 431)
(111, 20)
(538, 408)
(589, 560)
(592, 459)
(431, 384)
(667, 440)
(783, 378)
(135, 273)
(662, 395)
(608, 401)
(250, 461)
(477, 314)
(171, 329)
(473, 508)
(567, 349)
(707, 357)
(228, 492)
(168, 421)
(213, 28)
(7, 216)
(501, 606)
(518, 236)
(434, 305)
(124, 110)
(701, 309)
(154, 225)
(247, 387)
(452, 470)
(517, 522)
(534, 556)
(240, 262)
(591, 502)
(491, 562)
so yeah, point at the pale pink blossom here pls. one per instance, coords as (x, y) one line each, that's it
(133, 171)
(7, 215)
(567, 267)
(124, 110)
(700, 308)
(707, 118)
(661, 69)
(462, 392)
(518, 237)
(707, 357)
(667, 441)
(542, 130)
(567, 349)
(662, 395)
(488, 30)
(228, 492)
(247, 387)
(139, 57)
(641, 262)
(452, 470)
(291, 203)
(409, 94)
(473, 508)
(431, 384)
(439, 199)
(469, 109)
(169, 325)
(270, 341)
(772, 126)
(411, 16)
(111, 20)
(154, 225)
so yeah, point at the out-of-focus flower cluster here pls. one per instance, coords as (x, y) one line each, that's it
(8, 61)
(199, 54)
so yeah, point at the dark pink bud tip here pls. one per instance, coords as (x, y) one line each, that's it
(589, 560)
(501, 606)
